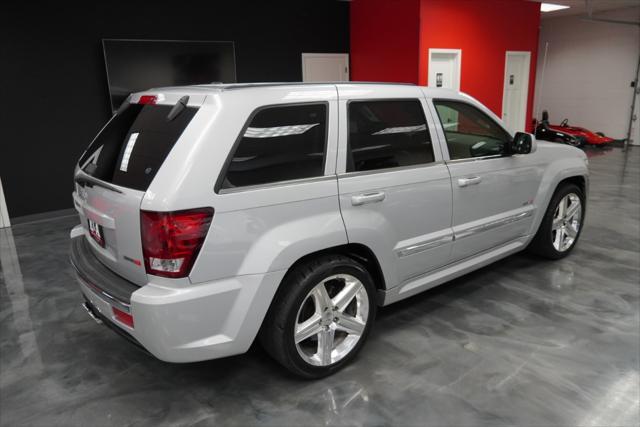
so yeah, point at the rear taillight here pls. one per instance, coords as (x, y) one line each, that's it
(171, 240)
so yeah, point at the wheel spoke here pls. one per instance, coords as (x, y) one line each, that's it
(563, 239)
(346, 295)
(571, 232)
(308, 328)
(325, 345)
(562, 207)
(349, 324)
(557, 223)
(321, 297)
(557, 241)
(572, 210)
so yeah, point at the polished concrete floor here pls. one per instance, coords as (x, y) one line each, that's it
(522, 342)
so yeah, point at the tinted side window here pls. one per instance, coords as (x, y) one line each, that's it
(387, 134)
(469, 132)
(280, 144)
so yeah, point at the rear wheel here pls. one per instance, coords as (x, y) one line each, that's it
(561, 225)
(320, 317)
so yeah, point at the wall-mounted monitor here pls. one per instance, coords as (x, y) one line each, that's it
(135, 65)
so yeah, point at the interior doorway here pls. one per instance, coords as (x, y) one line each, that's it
(516, 90)
(4, 214)
(444, 68)
(325, 67)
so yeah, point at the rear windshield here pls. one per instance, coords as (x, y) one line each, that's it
(129, 151)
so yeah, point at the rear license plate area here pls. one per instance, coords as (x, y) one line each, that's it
(96, 232)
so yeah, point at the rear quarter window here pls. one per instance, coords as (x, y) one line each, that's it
(279, 143)
(132, 147)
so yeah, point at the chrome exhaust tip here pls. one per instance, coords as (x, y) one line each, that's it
(89, 310)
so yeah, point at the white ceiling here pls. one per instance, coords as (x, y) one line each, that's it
(577, 7)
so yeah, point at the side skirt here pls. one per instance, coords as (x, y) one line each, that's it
(449, 272)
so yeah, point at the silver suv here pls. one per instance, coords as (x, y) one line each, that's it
(212, 215)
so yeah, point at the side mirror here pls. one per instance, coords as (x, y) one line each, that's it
(522, 143)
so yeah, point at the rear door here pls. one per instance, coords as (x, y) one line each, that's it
(113, 175)
(395, 192)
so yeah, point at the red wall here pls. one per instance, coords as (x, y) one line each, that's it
(384, 40)
(484, 30)
(390, 41)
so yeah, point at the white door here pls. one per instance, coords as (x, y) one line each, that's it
(516, 90)
(4, 214)
(325, 67)
(635, 125)
(444, 68)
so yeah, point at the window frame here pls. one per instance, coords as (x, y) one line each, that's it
(218, 189)
(419, 99)
(444, 135)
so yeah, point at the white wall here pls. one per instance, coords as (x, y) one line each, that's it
(589, 68)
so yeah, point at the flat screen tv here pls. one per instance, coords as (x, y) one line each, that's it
(135, 65)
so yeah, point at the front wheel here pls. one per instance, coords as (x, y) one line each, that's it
(320, 317)
(561, 225)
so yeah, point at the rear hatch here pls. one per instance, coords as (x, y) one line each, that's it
(114, 173)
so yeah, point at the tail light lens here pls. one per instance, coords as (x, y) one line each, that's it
(171, 240)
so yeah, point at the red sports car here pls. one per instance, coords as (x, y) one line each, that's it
(571, 135)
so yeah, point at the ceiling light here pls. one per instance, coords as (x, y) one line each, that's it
(550, 7)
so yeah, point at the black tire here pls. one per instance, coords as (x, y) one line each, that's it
(276, 334)
(575, 142)
(561, 141)
(542, 243)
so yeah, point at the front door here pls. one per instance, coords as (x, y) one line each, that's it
(395, 192)
(493, 194)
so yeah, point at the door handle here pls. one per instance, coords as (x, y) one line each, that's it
(362, 199)
(465, 182)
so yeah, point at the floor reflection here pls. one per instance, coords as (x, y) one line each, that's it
(13, 281)
(343, 399)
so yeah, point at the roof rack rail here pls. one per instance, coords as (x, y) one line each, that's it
(233, 86)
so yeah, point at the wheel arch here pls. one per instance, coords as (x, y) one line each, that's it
(355, 251)
(578, 180)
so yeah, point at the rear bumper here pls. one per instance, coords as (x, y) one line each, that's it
(178, 322)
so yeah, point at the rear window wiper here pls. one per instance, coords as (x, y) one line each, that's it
(88, 181)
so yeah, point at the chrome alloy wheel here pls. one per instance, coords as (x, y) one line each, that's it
(566, 222)
(331, 320)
